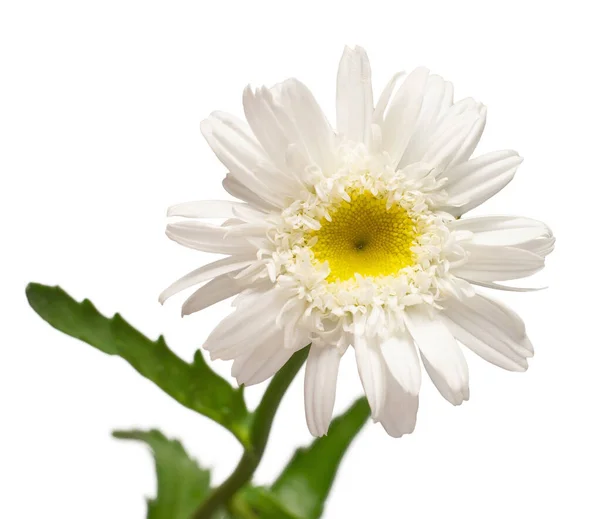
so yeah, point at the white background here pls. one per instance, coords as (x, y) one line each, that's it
(100, 111)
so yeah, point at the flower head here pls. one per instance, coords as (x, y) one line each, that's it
(354, 238)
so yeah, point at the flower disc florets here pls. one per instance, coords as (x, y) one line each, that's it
(363, 238)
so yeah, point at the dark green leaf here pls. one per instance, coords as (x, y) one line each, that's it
(79, 320)
(193, 385)
(306, 481)
(181, 484)
(259, 503)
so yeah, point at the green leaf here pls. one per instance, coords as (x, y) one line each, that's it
(224, 514)
(181, 484)
(306, 481)
(79, 320)
(259, 503)
(194, 385)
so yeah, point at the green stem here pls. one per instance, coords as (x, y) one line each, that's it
(259, 434)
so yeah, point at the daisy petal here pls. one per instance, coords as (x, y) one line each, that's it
(264, 361)
(320, 382)
(354, 95)
(218, 289)
(240, 343)
(488, 263)
(399, 414)
(455, 397)
(471, 140)
(442, 357)
(506, 288)
(487, 329)
(454, 135)
(511, 231)
(246, 319)
(400, 120)
(238, 190)
(204, 209)
(505, 318)
(384, 98)
(401, 357)
(208, 238)
(273, 124)
(313, 126)
(371, 370)
(256, 354)
(437, 99)
(473, 182)
(288, 115)
(240, 153)
(205, 273)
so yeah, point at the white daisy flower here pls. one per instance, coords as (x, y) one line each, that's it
(352, 238)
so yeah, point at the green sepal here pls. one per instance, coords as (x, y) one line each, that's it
(181, 484)
(306, 481)
(194, 385)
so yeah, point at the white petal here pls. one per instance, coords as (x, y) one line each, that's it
(288, 319)
(273, 124)
(446, 102)
(246, 365)
(371, 370)
(243, 229)
(473, 182)
(471, 140)
(252, 296)
(384, 99)
(269, 367)
(401, 358)
(454, 135)
(507, 288)
(455, 397)
(189, 237)
(513, 231)
(493, 333)
(208, 241)
(247, 213)
(449, 117)
(431, 140)
(320, 383)
(204, 209)
(218, 289)
(506, 319)
(238, 190)
(313, 126)
(442, 357)
(488, 263)
(399, 414)
(204, 273)
(399, 122)
(249, 151)
(354, 95)
(288, 115)
(238, 150)
(264, 361)
(246, 320)
(228, 238)
(435, 103)
(240, 344)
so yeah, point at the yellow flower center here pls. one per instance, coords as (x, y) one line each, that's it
(365, 237)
